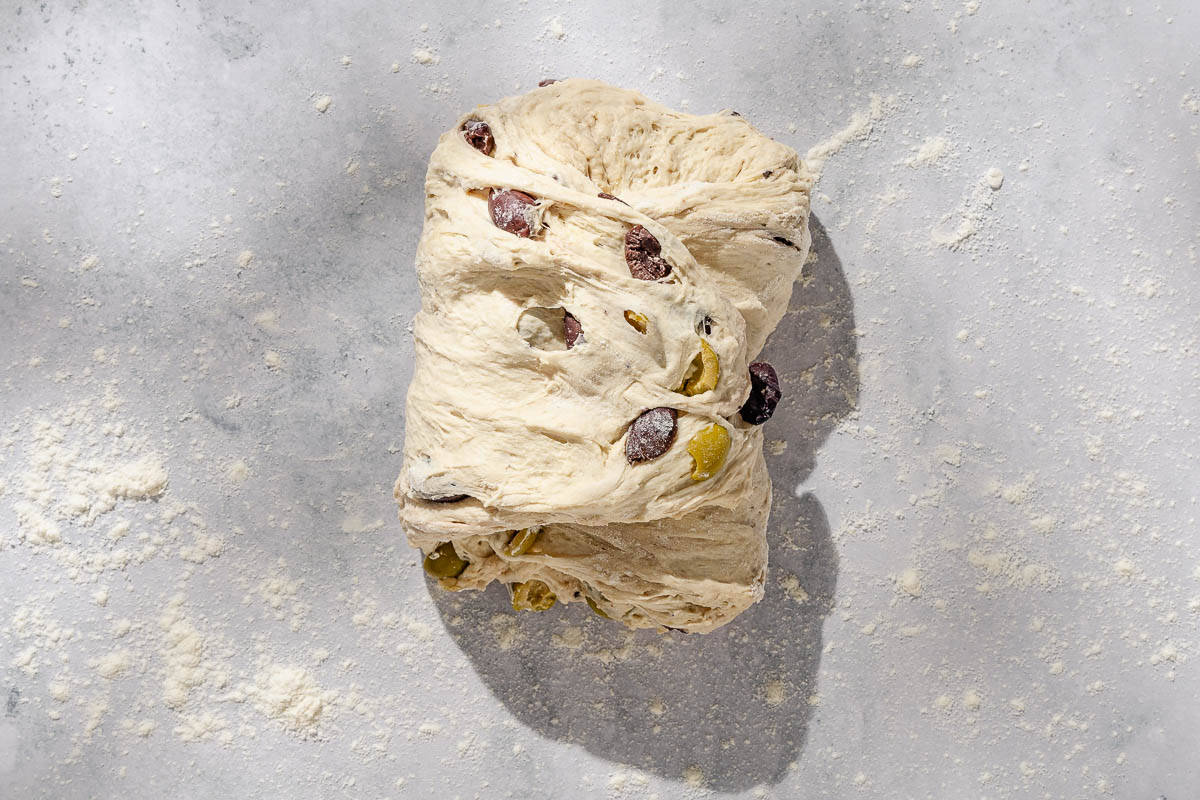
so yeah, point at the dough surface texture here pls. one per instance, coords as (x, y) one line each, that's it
(518, 417)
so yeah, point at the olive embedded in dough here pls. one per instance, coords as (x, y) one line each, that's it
(513, 211)
(638, 321)
(650, 435)
(444, 562)
(594, 607)
(446, 498)
(643, 254)
(709, 448)
(705, 372)
(479, 135)
(764, 394)
(521, 541)
(532, 596)
(572, 330)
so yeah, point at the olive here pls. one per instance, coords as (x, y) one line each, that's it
(706, 369)
(708, 448)
(521, 541)
(638, 321)
(532, 596)
(444, 562)
(592, 605)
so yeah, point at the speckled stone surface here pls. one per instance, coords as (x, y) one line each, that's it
(985, 561)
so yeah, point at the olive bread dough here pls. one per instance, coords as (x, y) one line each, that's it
(597, 274)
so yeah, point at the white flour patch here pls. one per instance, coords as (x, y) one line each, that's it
(791, 586)
(554, 29)
(290, 695)
(909, 582)
(425, 57)
(859, 128)
(954, 229)
(930, 152)
(190, 672)
(114, 664)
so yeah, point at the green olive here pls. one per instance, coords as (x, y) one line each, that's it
(709, 448)
(704, 373)
(444, 562)
(592, 605)
(521, 541)
(532, 596)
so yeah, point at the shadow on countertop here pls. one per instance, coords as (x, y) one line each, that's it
(733, 704)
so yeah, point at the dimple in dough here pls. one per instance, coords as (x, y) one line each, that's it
(534, 432)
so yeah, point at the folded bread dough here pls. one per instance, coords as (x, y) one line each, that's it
(532, 363)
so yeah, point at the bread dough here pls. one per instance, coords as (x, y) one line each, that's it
(532, 431)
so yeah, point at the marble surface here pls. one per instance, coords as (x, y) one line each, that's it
(985, 558)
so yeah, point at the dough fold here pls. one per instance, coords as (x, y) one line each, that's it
(510, 425)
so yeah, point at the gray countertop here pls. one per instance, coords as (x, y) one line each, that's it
(985, 562)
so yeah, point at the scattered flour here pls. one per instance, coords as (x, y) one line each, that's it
(1013, 567)
(949, 454)
(955, 228)
(267, 320)
(238, 471)
(424, 56)
(506, 630)
(322, 103)
(186, 657)
(63, 480)
(114, 664)
(202, 547)
(909, 582)
(555, 29)
(932, 151)
(860, 127)
(571, 638)
(356, 524)
(791, 586)
(290, 695)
